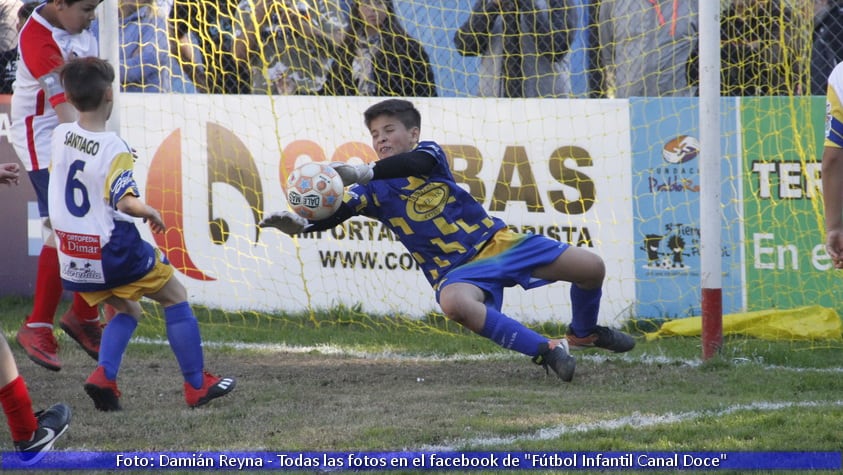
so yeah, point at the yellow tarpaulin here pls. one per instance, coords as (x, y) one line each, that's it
(804, 323)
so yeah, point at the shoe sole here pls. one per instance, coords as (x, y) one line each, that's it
(580, 348)
(35, 359)
(211, 396)
(93, 354)
(104, 398)
(574, 347)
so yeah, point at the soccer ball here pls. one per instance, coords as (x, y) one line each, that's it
(314, 190)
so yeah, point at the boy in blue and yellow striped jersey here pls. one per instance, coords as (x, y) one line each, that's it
(468, 256)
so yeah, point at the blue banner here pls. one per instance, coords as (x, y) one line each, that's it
(666, 193)
(421, 461)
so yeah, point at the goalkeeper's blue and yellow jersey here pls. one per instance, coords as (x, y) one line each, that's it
(439, 222)
(834, 109)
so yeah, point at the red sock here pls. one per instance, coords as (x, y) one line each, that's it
(48, 288)
(18, 408)
(83, 311)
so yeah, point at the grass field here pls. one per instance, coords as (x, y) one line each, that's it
(339, 381)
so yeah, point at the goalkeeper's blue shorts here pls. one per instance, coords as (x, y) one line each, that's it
(507, 260)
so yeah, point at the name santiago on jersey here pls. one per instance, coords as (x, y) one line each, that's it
(81, 143)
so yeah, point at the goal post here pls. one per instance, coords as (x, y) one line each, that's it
(108, 26)
(711, 216)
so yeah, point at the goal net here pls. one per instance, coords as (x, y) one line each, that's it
(596, 145)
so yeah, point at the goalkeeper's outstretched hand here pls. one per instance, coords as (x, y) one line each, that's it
(352, 174)
(285, 221)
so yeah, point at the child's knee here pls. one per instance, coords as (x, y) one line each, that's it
(592, 274)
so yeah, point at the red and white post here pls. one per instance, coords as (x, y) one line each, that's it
(710, 211)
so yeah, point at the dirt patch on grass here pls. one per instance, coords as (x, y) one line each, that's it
(295, 401)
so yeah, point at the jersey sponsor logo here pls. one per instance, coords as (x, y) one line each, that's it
(123, 184)
(428, 201)
(83, 246)
(81, 272)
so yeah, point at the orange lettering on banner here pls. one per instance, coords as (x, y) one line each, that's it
(292, 152)
(351, 150)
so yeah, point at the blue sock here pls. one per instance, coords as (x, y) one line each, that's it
(185, 341)
(511, 334)
(585, 305)
(115, 339)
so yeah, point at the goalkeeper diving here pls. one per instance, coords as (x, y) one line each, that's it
(468, 256)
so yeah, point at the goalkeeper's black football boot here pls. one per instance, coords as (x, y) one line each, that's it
(602, 337)
(554, 355)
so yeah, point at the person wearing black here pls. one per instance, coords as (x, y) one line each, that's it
(827, 48)
(378, 57)
(9, 57)
(761, 51)
(210, 45)
(519, 43)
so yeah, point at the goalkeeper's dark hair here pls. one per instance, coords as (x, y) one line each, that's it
(85, 81)
(401, 109)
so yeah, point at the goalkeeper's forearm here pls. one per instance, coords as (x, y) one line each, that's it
(344, 212)
(415, 163)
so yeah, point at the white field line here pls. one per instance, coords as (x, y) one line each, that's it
(389, 355)
(397, 355)
(401, 356)
(634, 421)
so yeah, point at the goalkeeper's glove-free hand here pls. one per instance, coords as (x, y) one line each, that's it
(285, 221)
(352, 174)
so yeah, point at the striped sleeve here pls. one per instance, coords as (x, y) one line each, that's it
(121, 180)
(42, 56)
(834, 110)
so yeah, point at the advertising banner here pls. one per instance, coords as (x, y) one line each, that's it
(666, 191)
(559, 168)
(787, 265)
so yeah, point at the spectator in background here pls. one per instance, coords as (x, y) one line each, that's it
(378, 57)
(9, 24)
(8, 43)
(827, 49)
(762, 52)
(645, 46)
(761, 48)
(519, 43)
(208, 42)
(292, 43)
(145, 61)
(9, 49)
